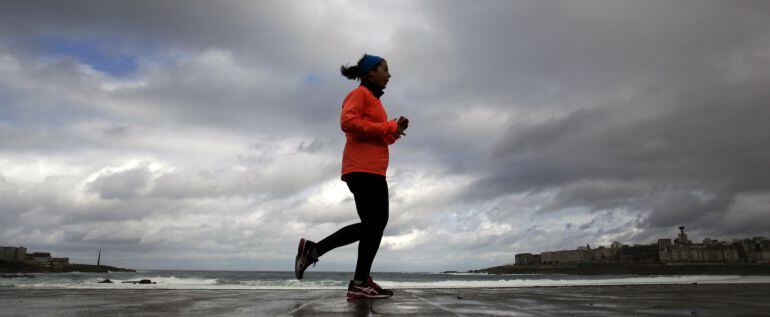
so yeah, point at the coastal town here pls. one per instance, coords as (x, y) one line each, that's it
(677, 256)
(17, 260)
(681, 250)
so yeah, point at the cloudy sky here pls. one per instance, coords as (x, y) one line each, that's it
(205, 135)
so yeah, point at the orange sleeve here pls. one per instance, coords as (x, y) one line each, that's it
(352, 121)
(389, 138)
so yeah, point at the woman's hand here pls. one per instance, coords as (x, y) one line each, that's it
(402, 123)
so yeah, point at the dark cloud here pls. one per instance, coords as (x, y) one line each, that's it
(705, 143)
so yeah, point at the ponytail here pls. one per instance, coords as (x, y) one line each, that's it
(350, 72)
(366, 63)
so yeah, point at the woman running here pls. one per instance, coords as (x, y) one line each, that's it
(364, 162)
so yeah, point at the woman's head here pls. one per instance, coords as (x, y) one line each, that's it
(369, 69)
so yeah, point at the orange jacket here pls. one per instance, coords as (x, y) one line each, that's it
(368, 133)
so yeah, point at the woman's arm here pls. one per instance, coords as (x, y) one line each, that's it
(352, 120)
(390, 138)
(401, 124)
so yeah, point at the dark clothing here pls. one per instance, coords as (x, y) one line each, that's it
(370, 192)
(376, 91)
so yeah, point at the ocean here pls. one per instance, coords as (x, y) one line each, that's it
(168, 279)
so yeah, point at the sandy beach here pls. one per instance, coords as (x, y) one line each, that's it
(618, 300)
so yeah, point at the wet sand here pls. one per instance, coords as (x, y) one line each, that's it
(619, 300)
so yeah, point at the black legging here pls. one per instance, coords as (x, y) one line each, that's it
(371, 194)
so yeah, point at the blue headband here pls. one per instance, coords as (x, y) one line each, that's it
(367, 63)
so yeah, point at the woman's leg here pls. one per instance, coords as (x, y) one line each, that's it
(342, 237)
(371, 196)
(350, 233)
(370, 192)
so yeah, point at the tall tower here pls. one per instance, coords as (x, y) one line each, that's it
(682, 237)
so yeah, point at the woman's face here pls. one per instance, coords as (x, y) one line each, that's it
(380, 75)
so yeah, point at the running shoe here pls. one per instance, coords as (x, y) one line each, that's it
(367, 290)
(378, 288)
(304, 258)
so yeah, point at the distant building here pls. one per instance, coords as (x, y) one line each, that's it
(756, 250)
(59, 263)
(763, 242)
(761, 256)
(527, 259)
(538, 258)
(638, 254)
(19, 254)
(567, 256)
(41, 257)
(681, 239)
(684, 251)
(664, 243)
(524, 258)
(602, 254)
(13, 254)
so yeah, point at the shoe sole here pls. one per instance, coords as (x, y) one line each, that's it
(297, 272)
(356, 295)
